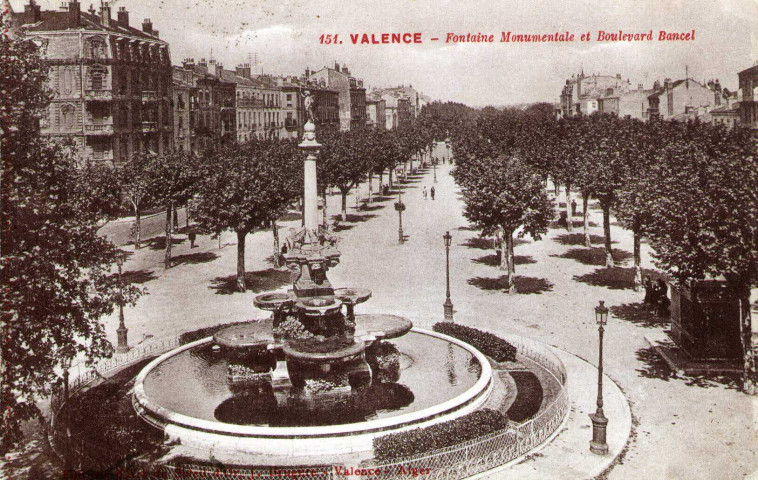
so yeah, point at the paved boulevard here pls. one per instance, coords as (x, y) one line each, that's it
(687, 428)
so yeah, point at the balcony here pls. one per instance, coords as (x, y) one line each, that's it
(148, 96)
(249, 102)
(98, 95)
(98, 129)
(149, 127)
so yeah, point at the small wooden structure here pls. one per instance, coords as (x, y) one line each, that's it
(705, 320)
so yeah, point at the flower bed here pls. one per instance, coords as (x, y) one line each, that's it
(421, 440)
(491, 345)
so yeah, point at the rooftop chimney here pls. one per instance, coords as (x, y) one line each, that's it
(74, 12)
(105, 15)
(123, 17)
(244, 70)
(307, 72)
(337, 66)
(188, 63)
(32, 12)
(147, 26)
(345, 70)
(91, 10)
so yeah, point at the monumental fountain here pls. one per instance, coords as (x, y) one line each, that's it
(315, 377)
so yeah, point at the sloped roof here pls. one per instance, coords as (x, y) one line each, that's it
(62, 20)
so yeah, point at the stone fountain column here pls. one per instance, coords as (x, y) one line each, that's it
(311, 250)
(310, 193)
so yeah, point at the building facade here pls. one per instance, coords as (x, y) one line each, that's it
(352, 94)
(185, 94)
(748, 92)
(376, 112)
(112, 83)
(681, 100)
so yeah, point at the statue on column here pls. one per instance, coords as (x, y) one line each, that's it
(308, 101)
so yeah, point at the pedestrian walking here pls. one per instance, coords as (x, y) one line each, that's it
(424, 193)
(573, 208)
(192, 237)
(432, 192)
(663, 299)
(648, 284)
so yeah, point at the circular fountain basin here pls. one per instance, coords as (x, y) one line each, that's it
(255, 334)
(272, 301)
(319, 306)
(381, 326)
(184, 390)
(353, 296)
(293, 351)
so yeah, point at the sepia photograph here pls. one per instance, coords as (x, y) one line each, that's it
(400, 239)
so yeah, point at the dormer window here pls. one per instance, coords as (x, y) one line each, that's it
(96, 48)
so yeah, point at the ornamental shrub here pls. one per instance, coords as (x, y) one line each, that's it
(291, 329)
(423, 440)
(491, 345)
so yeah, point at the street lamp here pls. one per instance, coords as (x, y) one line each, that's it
(65, 365)
(598, 445)
(121, 331)
(400, 206)
(448, 305)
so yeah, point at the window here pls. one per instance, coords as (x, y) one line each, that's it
(98, 79)
(67, 115)
(96, 48)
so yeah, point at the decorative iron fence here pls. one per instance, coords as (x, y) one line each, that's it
(455, 462)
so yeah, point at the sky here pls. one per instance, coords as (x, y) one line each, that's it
(284, 34)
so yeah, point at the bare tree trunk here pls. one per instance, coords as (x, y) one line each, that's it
(569, 221)
(750, 373)
(344, 205)
(511, 265)
(741, 286)
(275, 231)
(503, 254)
(187, 215)
(324, 212)
(587, 237)
(241, 286)
(370, 186)
(389, 175)
(137, 226)
(169, 214)
(607, 232)
(637, 268)
(176, 217)
(302, 211)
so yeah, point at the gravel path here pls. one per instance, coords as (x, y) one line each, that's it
(688, 428)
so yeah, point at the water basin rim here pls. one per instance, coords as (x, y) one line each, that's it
(482, 386)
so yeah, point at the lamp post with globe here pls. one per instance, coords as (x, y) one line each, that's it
(448, 305)
(598, 445)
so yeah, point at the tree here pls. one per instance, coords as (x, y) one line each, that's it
(134, 183)
(600, 138)
(54, 267)
(249, 186)
(171, 178)
(504, 193)
(633, 210)
(344, 160)
(703, 197)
